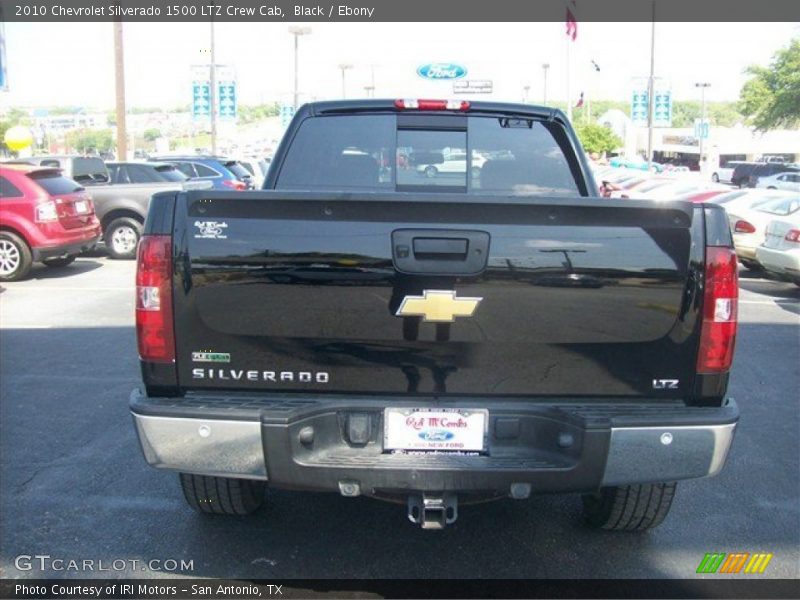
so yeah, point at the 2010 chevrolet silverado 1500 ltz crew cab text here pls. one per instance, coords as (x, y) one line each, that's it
(371, 323)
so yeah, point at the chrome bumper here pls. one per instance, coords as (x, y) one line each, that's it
(234, 448)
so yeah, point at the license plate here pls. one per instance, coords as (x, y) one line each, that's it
(442, 429)
(81, 206)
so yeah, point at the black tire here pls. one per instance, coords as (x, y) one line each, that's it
(772, 187)
(15, 257)
(222, 495)
(59, 262)
(715, 178)
(431, 171)
(122, 236)
(630, 507)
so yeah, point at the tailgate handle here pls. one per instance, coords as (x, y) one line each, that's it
(440, 251)
(426, 248)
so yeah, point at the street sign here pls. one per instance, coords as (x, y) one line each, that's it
(662, 108)
(287, 113)
(473, 86)
(201, 99)
(701, 129)
(227, 99)
(639, 106)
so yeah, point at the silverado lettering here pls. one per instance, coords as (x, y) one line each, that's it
(456, 313)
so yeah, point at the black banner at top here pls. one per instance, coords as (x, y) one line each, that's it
(709, 11)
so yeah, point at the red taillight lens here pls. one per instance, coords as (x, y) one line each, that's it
(154, 326)
(237, 185)
(409, 104)
(743, 226)
(793, 235)
(718, 334)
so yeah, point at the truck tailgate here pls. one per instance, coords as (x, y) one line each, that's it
(300, 292)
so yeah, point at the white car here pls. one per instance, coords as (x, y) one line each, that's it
(780, 252)
(454, 163)
(780, 181)
(671, 190)
(749, 225)
(257, 167)
(746, 198)
(724, 174)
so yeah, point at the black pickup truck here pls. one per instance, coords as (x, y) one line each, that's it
(430, 303)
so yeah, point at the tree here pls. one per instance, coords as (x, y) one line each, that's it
(86, 141)
(771, 97)
(152, 134)
(597, 138)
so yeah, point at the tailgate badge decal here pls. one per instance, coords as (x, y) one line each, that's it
(214, 357)
(213, 230)
(438, 306)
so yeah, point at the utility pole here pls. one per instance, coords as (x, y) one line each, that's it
(651, 90)
(525, 90)
(545, 66)
(344, 67)
(213, 95)
(702, 86)
(297, 32)
(119, 81)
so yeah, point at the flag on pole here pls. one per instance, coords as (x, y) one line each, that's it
(580, 101)
(571, 22)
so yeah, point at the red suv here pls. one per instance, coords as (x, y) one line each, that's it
(44, 217)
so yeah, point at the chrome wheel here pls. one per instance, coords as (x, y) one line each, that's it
(124, 239)
(9, 257)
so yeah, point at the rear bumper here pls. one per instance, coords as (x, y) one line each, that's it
(304, 443)
(66, 249)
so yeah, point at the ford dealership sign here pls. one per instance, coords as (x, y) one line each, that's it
(441, 71)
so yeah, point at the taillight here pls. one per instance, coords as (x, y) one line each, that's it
(743, 226)
(237, 185)
(409, 104)
(720, 298)
(154, 325)
(46, 212)
(793, 235)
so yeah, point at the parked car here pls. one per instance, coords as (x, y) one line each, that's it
(768, 170)
(724, 173)
(638, 163)
(257, 167)
(44, 217)
(779, 255)
(224, 173)
(780, 181)
(121, 207)
(741, 173)
(749, 226)
(746, 198)
(150, 172)
(702, 195)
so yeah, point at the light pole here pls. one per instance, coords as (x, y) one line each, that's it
(650, 90)
(545, 66)
(119, 79)
(297, 32)
(213, 90)
(525, 90)
(344, 67)
(702, 86)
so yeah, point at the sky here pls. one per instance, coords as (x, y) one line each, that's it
(52, 63)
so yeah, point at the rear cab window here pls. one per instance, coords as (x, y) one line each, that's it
(89, 169)
(429, 153)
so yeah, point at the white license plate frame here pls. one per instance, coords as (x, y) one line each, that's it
(428, 429)
(81, 207)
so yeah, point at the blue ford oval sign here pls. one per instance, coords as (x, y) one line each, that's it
(441, 71)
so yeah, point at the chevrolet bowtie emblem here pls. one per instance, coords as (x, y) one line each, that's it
(438, 306)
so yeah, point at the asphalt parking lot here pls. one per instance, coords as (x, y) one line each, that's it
(75, 486)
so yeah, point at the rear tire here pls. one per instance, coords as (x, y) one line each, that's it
(431, 171)
(715, 178)
(630, 507)
(222, 495)
(122, 236)
(15, 257)
(750, 265)
(58, 262)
